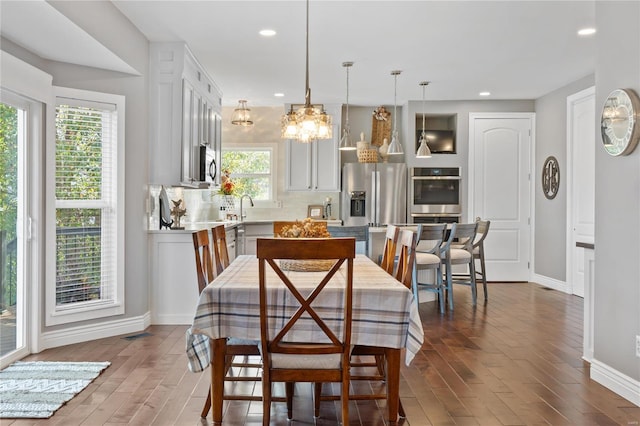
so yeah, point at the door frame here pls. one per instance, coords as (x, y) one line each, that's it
(471, 166)
(572, 100)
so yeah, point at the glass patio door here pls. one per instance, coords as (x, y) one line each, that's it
(13, 217)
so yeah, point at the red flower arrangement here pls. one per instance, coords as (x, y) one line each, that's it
(227, 187)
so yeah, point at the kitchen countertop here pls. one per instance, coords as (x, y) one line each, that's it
(228, 224)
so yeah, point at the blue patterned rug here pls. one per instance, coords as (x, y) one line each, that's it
(37, 389)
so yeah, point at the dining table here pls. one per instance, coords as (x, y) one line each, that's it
(385, 315)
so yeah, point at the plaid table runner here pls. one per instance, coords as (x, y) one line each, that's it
(384, 311)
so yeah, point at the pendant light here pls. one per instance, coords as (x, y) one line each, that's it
(423, 149)
(241, 115)
(310, 122)
(345, 142)
(395, 147)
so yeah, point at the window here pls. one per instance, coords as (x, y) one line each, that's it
(88, 245)
(252, 169)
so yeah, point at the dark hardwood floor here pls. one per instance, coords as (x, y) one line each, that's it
(514, 361)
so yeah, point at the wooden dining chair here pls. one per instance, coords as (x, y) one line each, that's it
(407, 240)
(235, 347)
(317, 360)
(407, 257)
(389, 251)
(220, 252)
(461, 253)
(360, 233)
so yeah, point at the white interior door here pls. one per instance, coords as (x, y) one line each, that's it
(581, 125)
(500, 190)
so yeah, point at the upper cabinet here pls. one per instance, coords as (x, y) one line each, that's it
(185, 123)
(315, 166)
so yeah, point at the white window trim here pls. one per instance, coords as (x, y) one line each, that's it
(90, 310)
(272, 202)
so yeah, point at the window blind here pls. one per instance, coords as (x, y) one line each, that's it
(85, 159)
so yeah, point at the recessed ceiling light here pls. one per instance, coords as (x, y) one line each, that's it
(278, 95)
(586, 31)
(484, 93)
(267, 33)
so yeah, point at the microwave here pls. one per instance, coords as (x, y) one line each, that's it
(208, 165)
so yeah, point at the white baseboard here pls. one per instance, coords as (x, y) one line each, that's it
(615, 381)
(551, 283)
(172, 319)
(85, 333)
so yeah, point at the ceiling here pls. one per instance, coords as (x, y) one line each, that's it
(513, 49)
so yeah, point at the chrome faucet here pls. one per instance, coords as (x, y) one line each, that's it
(242, 213)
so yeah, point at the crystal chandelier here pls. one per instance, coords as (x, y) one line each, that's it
(241, 115)
(345, 142)
(423, 148)
(309, 122)
(395, 147)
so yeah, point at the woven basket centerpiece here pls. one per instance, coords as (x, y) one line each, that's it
(307, 228)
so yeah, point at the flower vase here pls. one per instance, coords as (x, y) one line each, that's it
(228, 203)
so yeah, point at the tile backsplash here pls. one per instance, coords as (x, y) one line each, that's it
(203, 205)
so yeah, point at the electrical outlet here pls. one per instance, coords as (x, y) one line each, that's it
(279, 204)
(638, 346)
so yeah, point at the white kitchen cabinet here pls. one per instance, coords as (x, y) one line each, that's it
(185, 116)
(173, 290)
(251, 232)
(315, 166)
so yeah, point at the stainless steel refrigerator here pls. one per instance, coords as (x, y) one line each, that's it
(373, 194)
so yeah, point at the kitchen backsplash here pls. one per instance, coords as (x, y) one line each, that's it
(203, 205)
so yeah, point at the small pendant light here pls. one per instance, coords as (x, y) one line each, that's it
(241, 115)
(345, 142)
(395, 147)
(423, 149)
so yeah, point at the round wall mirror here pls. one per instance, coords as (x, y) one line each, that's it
(619, 122)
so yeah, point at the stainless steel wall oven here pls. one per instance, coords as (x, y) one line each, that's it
(434, 194)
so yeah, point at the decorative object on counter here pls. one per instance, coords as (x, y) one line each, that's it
(382, 151)
(395, 147)
(619, 122)
(307, 228)
(177, 212)
(227, 186)
(241, 115)
(423, 149)
(365, 153)
(315, 211)
(380, 126)
(227, 191)
(310, 122)
(550, 177)
(345, 142)
(165, 210)
(327, 208)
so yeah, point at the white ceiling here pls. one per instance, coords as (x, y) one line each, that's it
(49, 34)
(513, 49)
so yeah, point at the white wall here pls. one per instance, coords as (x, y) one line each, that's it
(551, 215)
(617, 209)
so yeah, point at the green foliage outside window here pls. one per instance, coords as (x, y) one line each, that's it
(79, 155)
(8, 203)
(250, 171)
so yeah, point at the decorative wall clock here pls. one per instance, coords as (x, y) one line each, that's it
(550, 177)
(619, 122)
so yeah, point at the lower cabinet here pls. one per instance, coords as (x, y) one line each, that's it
(251, 233)
(173, 288)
